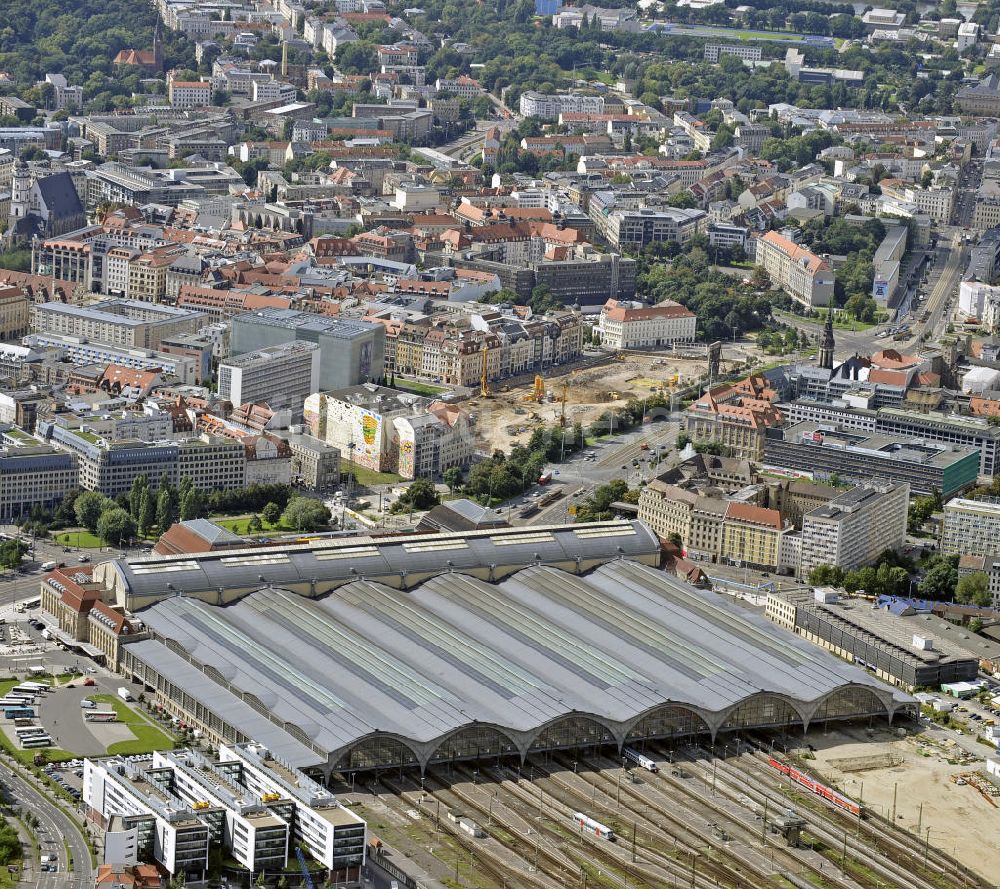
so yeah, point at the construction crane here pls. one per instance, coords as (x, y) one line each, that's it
(484, 381)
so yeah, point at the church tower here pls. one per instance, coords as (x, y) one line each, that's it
(825, 359)
(20, 191)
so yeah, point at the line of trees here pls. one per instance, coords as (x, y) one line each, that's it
(505, 475)
(144, 507)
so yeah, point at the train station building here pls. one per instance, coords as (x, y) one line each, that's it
(490, 645)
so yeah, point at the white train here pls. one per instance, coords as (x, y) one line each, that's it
(642, 761)
(594, 827)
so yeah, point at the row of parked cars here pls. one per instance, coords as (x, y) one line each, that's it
(55, 771)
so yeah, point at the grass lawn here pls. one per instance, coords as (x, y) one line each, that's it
(148, 737)
(82, 539)
(418, 388)
(240, 525)
(369, 477)
(841, 320)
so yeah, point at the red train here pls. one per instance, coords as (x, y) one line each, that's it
(838, 799)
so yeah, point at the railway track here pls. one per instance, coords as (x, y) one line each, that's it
(508, 867)
(655, 870)
(890, 838)
(682, 804)
(870, 865)
(702, 850)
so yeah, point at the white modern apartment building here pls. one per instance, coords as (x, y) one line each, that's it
(749, 52)
(118, 796)
(279, 376)
(255, 836)
(534, 104)
(798, 271)
(971, 527)
(633, 325)
(174, 806)
(852, 529)
(332, 834)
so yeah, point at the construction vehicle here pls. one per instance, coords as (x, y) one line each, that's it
(539, 390)
(537, 393)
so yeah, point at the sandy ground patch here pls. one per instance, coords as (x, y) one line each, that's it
(961, 820)
(510, 415)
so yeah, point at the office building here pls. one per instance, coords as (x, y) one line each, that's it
(187, 94)
(549, 107)
(15, 313)
(903, 424)
(634, 229)
(118, 322)
(735, 416)
(749, 52)
(625, 325)
(279, 376)
(825, 450)
(971, 527)
(351, 352)
(186, 369)
(896, 650)
(752, 536)
(802, 274)
(211, 462)
(852, 529)
(32, 474)
(315, 464)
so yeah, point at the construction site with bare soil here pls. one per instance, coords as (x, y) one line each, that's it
(512, 412)
(922, 782)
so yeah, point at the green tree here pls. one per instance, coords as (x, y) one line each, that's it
(419, 495)
(254, 526)
(306, 514)
(940, 578)
(597, 507)
(271, 513)
(164, 510)
(116, 526)
(192, 505)
(683, 199)
(11, 552)
(974, 589)
(139, 484)
(453, 478)
(147, 512)
(921, 509)
(826, 575)
(88, 508)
